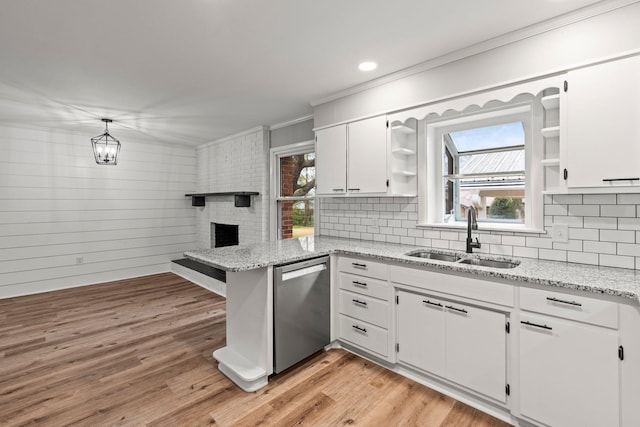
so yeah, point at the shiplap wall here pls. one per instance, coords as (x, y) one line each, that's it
(66, 221)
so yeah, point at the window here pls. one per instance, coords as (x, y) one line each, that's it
(485, 160)
(485, 168)
(294, 179)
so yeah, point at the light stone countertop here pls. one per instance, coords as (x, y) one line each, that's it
(601, 280)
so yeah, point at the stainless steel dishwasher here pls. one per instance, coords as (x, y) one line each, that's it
(302, 305)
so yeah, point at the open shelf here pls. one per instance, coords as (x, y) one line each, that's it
(404, 173)
(403, 129)
(551, 102)
(550, 162)
(403, 151)
(551, 132)
(242, 198)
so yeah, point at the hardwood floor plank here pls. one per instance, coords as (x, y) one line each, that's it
(138, 352)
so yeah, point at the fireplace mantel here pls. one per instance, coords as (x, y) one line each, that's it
(242, 198)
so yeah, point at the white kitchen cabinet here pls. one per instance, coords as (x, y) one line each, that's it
(367, 156)
(331, 160)
(476, 349)
(603, 130)
(421, 332)
(568, 372)
(459, 342)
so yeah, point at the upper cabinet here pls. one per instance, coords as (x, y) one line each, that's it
(360, 158)
(603, 126)
(331, 160)
(367, 156)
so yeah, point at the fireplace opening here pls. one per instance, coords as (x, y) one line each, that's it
(223, 235)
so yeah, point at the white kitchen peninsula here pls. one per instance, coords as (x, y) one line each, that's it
(540, 306)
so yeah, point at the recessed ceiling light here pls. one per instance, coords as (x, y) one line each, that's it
(367, 66)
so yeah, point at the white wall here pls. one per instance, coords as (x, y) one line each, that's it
(595, 38)
(236, 163)
(58, 205)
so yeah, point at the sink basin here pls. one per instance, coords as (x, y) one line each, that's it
(489, 263)
(439, 256)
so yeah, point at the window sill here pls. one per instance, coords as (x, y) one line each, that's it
(512, 228)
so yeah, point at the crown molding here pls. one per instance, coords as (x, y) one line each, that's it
(582, 14)
(291, 122)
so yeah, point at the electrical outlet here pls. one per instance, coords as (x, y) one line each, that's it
(560, 233)
(80, 260)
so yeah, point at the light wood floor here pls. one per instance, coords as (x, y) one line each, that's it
(138, 352)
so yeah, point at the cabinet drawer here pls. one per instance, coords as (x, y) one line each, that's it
(365, 308)
(582, 309)
(365, 285)
(364, 334)
(363, 267)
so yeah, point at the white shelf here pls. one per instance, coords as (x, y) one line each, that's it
(404, 173)
(550, 162)
(550, 132)
(551, 102)
(403, 129)
(403, 151)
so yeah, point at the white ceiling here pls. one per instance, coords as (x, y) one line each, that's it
(193, 71)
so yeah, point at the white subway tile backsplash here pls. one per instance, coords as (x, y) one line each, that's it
(628, 211)
(552, 255)
(569, 199)
(628, 199)
(555, 209)
(599, 199)
(617, 261)
(631, 249)
(600, 223)
(599, 247)
(623, 236)
(603, 228)
(583, 257)
(524, 252)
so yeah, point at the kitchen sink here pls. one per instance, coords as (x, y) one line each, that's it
(489, 263)
(439, 256)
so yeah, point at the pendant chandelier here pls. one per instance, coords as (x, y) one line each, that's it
(105, 147)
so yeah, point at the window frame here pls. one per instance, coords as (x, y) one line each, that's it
(431, 152)
(274, 169)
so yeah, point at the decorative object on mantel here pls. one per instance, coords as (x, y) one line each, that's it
(105, 147)
(242, 198)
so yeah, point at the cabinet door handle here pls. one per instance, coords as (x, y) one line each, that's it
(358, 328)
(620, 179)
(357, 301)
(357, 265)
(460, 310)
(364, 285)
(338, 189)
(524, 322)
(552, 299)
(353, 189)
(437, 304)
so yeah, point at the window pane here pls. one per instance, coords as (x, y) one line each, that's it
(298, 175)
(502, 161)
(297, 179)
(296, 218)
(482, 138)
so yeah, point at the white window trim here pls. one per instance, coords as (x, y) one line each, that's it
(274, 171)
(430, 188)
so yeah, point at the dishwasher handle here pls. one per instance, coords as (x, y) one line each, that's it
(303, 271)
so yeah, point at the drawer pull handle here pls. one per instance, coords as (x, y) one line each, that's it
(552, 299)
(338, 189)
(359, 283)
(358, 265)
(460, 310)
(358, 328)
(353, 189)
(357, 301)
(437, 304)
(524, 322)
(620, 179)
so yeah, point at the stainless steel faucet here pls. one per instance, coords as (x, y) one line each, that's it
(472, 224)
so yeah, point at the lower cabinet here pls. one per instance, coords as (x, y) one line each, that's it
(461, 343)
(568, 372)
